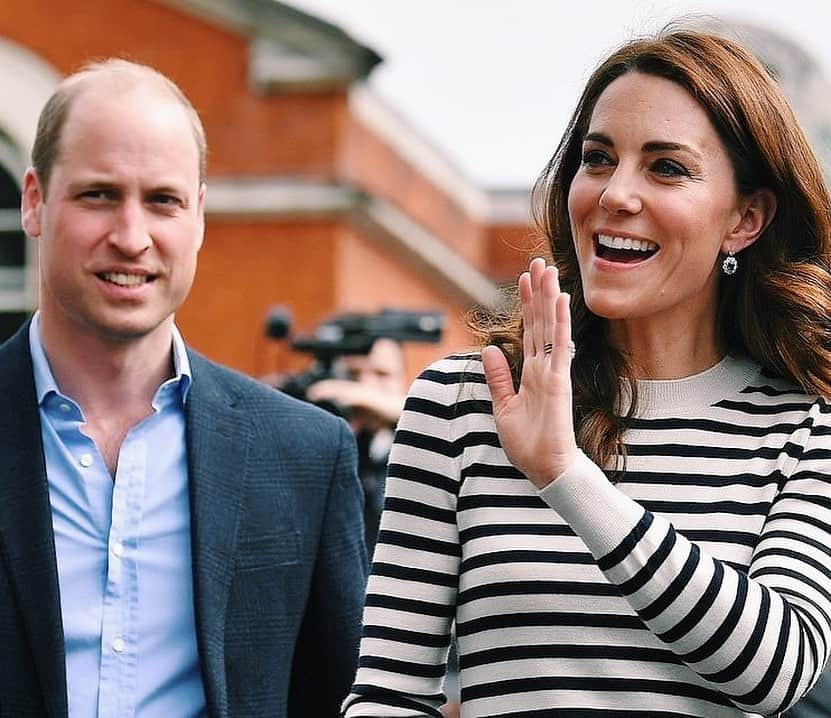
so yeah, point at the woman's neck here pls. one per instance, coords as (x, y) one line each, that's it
(666, 350)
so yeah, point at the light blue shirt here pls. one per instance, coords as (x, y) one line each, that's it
(124, 554)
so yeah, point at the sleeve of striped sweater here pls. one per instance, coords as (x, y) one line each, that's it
(411, 592)
(761, 638)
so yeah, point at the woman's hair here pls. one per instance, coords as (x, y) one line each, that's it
(775, 309)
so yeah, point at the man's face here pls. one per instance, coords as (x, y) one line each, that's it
(382, 368)
(121, 221)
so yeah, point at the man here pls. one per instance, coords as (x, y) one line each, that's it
(175, 539)
(371, 390)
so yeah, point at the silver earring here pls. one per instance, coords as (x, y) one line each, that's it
(730, 264)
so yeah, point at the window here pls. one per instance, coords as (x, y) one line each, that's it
(15, 304)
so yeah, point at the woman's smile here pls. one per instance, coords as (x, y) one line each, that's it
(652, 205)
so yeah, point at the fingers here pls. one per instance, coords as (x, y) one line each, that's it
(548, 297)
(534, 312)
(538, 271)
(525, 298)
(546, 318)
(498, 376)
(562, 354)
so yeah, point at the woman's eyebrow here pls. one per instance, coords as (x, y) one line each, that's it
(659, 146)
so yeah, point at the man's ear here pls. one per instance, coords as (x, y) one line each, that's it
(200, 208)
(31, 203)
(757, 212)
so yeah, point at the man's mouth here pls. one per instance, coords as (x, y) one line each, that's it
(125, 280)
(623, 249)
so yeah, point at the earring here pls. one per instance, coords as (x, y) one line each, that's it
(730, 264)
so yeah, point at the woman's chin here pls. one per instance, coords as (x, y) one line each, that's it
(608, 307)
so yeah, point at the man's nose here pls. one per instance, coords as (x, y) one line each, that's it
(131, 234)
(621, 195)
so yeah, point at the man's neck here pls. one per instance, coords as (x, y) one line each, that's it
(105, 375)
(113, 381)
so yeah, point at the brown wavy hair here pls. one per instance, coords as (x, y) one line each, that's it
(775, 309)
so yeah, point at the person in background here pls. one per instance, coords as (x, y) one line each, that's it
(175, 538)
(370, 390)
(624, 501)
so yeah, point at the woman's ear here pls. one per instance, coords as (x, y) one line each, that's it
(757, 212)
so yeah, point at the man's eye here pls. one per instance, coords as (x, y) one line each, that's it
(97, 195)
(670, 168)
(165, 199)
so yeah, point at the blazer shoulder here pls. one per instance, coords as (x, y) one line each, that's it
(16, 377)
(15, 349)
(263, 403)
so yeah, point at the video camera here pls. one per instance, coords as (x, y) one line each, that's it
(346, 334)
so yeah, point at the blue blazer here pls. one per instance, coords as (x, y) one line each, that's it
(279, 561)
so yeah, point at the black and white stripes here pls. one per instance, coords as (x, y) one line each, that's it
(699, 585)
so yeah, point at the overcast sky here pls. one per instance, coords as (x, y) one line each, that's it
(492, 82)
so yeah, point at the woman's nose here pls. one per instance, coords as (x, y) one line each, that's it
(621, 195)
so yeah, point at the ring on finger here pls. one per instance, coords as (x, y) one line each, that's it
(548, 347)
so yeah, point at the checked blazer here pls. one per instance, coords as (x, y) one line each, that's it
(277, 547)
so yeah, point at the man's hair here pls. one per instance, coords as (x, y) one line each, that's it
(123, 74)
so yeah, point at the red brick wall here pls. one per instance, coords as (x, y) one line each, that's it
(370, 280)
(510, 248)
(367, 161)
(247, 133)
(318, 267)
(244, 269)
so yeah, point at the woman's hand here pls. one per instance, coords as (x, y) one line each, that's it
(535, 423)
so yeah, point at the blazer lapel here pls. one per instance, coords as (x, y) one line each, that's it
(218, 437)
(26, 537)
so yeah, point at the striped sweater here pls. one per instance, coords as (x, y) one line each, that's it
(698, 585)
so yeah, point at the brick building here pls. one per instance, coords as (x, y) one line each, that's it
(319, 196)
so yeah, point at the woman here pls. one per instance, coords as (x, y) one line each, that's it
(689, 223)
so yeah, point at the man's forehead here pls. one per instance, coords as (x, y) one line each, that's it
(127, 110)
(113, 96)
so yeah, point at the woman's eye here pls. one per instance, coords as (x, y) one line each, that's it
(670, 168)
(596, 158)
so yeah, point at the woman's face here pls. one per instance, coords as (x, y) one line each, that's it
(652, 204)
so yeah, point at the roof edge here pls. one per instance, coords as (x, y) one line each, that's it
(290, 49)
(285, 198)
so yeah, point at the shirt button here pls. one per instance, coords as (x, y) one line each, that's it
(118, 644)
(86, 460)
(118, 549)
(65, 408)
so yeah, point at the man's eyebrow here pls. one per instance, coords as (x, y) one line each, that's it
(91, 183)
(166, 189)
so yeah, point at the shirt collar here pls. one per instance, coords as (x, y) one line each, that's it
(45, 381)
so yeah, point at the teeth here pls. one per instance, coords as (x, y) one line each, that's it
(125, 280)
(638, 245)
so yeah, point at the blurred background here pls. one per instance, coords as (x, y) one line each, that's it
(363, 154)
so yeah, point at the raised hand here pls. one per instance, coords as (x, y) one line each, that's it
(535, 423)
